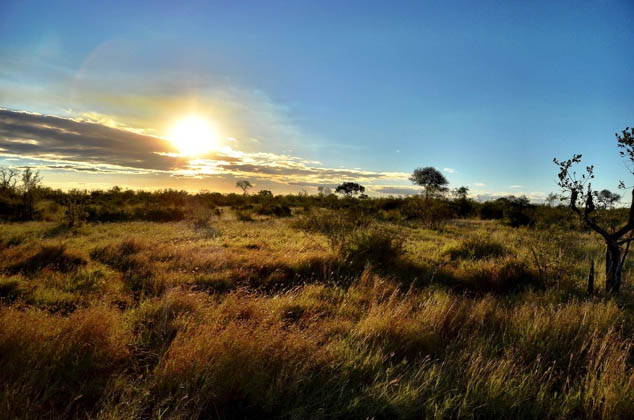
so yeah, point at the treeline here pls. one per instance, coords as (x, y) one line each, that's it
(23, 198)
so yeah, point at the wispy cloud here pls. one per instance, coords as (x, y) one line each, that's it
(479, 184)
(516, 186)
(449, 170)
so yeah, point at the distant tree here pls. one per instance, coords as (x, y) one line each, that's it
(581, 193)
(31, 182)
(324, 190)
(551, 199)
(8, 181)
(460, 193)
(607, 199)
(75, 204)
(431, 179)
(350, 189)
(265, 194)
(244, 185)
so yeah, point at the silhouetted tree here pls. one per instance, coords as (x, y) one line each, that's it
(350, 188)
(244, 185)
(431, 179)
(8, 181)
(265, 194)
(30, 185)
(460, 193)
(580, 190)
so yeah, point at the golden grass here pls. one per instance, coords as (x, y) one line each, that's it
(263, 320)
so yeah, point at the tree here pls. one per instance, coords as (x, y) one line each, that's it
(460, 193)
(30, 188)
(324, 190)
(551, 199)
(431, 179)
(350, 188)
(581, 193)
(265, 194)
(245, 185)
(607, 199)
(8, 181)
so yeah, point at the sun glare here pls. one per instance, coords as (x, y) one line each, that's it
(193, 136)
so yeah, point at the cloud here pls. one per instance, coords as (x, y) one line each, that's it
(516, 186)
(449, 170)
(57, 143)
(396, 190)
(479, 184)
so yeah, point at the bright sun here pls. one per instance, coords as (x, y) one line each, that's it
(193, 136)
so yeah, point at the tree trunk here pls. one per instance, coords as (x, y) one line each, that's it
(612, 268)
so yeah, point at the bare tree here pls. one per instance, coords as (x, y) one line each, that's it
(580, 192)
(245, 185)
(8, 180)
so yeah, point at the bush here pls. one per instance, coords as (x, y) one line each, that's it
(377, 246)
(274, 209)
(476, 248)
(498, 275)
(244, 215)
(432, 212)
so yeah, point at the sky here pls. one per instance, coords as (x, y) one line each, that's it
(299, 94)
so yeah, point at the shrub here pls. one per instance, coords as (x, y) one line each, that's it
(476, 248)
(374, 245)
(432, 212)
(244, 215)
(499, 275)
(274, 209)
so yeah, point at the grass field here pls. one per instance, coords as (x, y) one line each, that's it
(265, 318)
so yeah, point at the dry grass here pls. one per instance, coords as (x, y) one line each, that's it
(264, 320)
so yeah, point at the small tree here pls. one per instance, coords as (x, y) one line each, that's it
(607, 199)
(30, 188)
(76, 212)
(431, 179)
(580, 192)
(244, 185)
(324, 190)
(551, 199)
(460, 193)
(349, 189)
(8, 181)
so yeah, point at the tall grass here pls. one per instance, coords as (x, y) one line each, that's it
(158, 321)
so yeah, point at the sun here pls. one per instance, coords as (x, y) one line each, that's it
(193, 136)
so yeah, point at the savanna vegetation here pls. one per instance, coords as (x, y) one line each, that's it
(121, 304)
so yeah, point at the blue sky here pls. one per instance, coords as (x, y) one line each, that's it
(311, 91)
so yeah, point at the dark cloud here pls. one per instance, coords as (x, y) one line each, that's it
(66, 144)
(44, 136)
